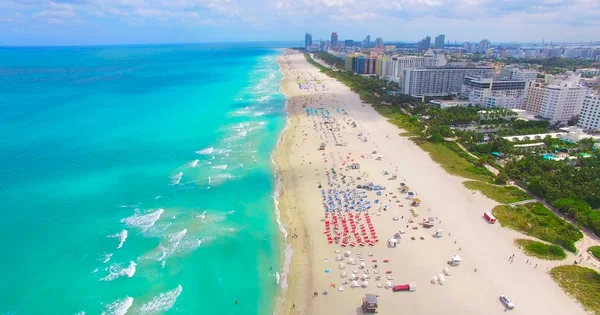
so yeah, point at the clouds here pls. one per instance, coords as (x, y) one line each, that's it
(499, 20)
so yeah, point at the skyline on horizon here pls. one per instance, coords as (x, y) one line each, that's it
(114, 22)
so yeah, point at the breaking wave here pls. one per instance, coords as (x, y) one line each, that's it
(163, 302)
(118, 307)
(143, 221)
(116, 270)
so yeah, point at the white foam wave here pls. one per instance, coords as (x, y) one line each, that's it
(285, 269)
(118, 307)
(143, 221)
(175, 239)
(221, 167)
(206, 151)
(175, 179)
(107, 258)
(163, 302)
(116, 270)
(80, 313)
(122, 236)
(258, 114)
(194, 163)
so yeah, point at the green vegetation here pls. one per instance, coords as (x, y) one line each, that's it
(330, 59)
(535, 220)
(502, 194)
(572, 189)
(448, 156)
(541, 250)
(595, 251)
(581, 283)
(530, 127)
(554, 62)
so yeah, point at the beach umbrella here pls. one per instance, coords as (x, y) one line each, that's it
(343, 274)
(355, 284)
(365, 284)
(434, 280)
(347, 253)
(388, 285)
(341, 266)
(339, 258)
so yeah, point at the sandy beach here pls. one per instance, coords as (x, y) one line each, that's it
(323, 111)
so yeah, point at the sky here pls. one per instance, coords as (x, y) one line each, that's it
(97, 22)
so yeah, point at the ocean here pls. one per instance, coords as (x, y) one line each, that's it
(139, 179)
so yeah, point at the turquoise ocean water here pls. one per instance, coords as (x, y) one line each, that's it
(138, 179)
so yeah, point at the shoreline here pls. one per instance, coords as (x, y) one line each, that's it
(296, 255)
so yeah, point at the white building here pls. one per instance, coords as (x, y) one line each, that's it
(491, 93)
(558, 101)
(575, 134)
(589, 118)
(524, 75)
(393, 68)
(439, 80)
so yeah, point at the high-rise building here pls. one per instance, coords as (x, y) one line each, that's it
(439, 41)
(424, 44)
(334, 39)
(361, 64)
(487, 92)
(368, 41)
(556, 101)
(439, 80)
(466, 47)
(589, 118)
(348, 43)
(484, 45)
(379, 42)
(307, 40)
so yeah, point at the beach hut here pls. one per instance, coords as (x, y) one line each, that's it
(410, 195)
(438, 233)
(370, 303)
(416, 202)
(455, 260)
(392, 242)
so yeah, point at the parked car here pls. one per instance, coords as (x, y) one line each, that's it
(507, 302)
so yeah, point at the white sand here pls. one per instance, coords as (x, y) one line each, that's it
(483, 246)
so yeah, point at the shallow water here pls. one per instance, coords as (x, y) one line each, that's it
(138, 179)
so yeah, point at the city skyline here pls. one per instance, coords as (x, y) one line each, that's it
(94, 22)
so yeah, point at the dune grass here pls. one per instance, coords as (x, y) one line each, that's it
(535, 220)
(541, 250)
(581, 283)
(454, 164)
(595, 251)
(502, 194)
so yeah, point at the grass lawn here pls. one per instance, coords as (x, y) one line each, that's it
(506, 194)
(541, 250)
(595, 250)
(535, 220)
(581, 283)
(455, 164)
